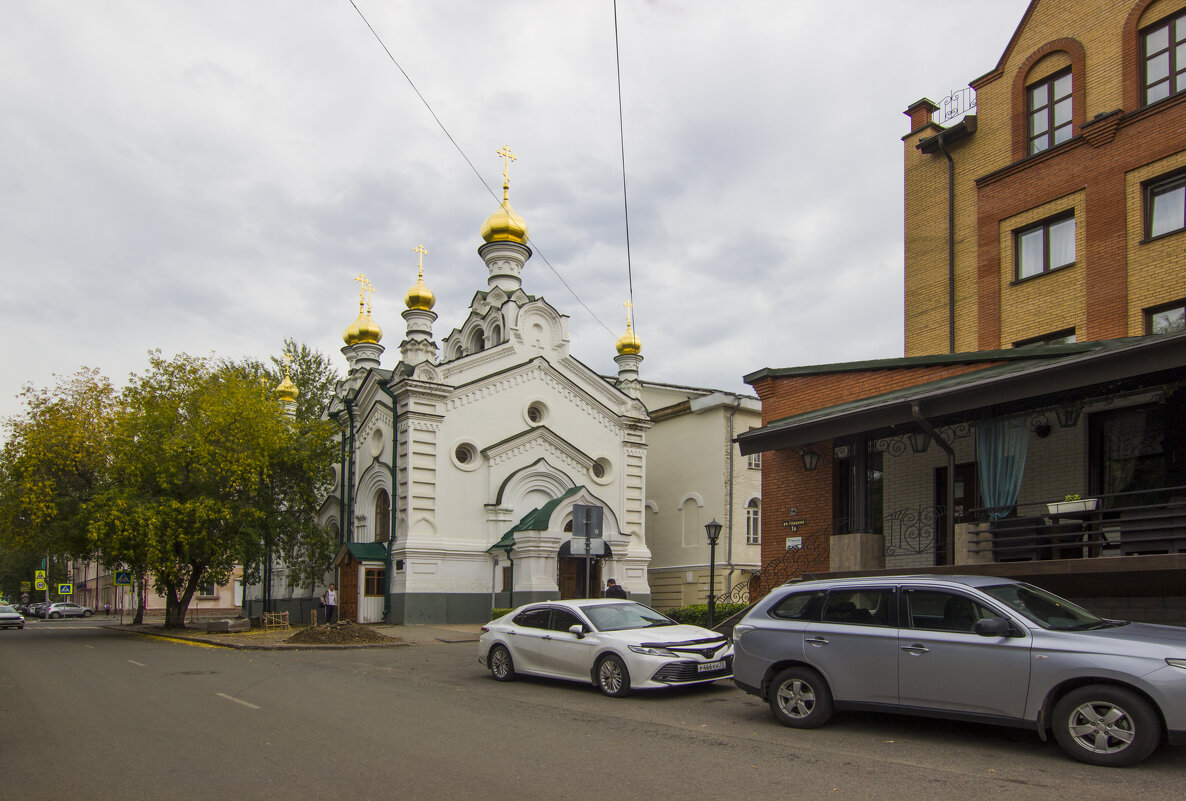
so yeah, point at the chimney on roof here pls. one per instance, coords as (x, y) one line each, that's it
(920, 113)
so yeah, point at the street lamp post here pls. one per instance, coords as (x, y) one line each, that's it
(713, 530)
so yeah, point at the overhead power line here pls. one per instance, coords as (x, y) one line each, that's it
(489, 190)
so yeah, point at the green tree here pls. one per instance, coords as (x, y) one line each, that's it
(55, 457)
(189, 446)
(295, 489)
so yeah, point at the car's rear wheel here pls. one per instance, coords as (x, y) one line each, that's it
(87, 613)
(613, 678)
(55, 615)
(502, 667)
(1104, 725)
(799, 698)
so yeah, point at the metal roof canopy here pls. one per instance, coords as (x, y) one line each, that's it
(1023, 383)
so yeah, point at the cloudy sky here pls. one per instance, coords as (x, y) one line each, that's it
(209, 176)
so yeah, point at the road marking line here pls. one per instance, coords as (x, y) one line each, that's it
(89, 646)
(236, 700)
(134, 662)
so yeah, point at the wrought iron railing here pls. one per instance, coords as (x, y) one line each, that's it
(737, 594)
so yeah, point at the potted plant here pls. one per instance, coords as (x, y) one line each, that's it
(1070, 504)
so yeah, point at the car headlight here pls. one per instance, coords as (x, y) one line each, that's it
(649, 650)
(1178, 663)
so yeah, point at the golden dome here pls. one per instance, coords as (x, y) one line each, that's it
(420, 296)
(363, 329)
(629, 342)
(505, 225)
(286, 390)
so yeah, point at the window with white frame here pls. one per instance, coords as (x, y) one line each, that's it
(754, 461)
(753, 522)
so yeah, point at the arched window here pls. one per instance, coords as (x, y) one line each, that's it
(753, 522)
(477, 341)
(382, 516)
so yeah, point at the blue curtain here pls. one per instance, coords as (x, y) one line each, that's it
(1001, 447)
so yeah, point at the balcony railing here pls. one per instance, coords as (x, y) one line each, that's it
(1124, 524)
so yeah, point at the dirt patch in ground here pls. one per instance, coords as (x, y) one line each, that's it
(339, 634)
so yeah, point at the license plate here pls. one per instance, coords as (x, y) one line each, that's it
(709, 667)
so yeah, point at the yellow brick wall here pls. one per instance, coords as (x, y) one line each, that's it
(1097, 25)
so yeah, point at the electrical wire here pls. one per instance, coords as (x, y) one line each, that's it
(459, 149)
(622, 143)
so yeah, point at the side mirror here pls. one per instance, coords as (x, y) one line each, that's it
(994, 627)
(578, 630)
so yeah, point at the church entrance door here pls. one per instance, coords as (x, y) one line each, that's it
(572, 577)
(348, 591)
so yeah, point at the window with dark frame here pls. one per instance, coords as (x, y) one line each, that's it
(382, 516)
(1051, 121)
(1165, 205)
(1046, 246)
(1167, 319)
(1063, 337)
(1163, 58)
(375, 578)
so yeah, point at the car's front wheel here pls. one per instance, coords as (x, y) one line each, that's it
(502, 667)
(613, 678)
(1104, 725)
(87, 613)
(799, 698)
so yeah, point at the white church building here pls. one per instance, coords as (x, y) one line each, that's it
(464, 464)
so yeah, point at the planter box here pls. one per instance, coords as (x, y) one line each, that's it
(1069, 507)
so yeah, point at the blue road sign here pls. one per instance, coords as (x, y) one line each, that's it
(123, 578)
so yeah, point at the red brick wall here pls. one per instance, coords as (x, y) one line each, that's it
(783, 396)
(791, 493)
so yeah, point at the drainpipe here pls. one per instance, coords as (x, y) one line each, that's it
(930, 429)
(349, 499)
(391, 511)
(950, 245)
(732, 447)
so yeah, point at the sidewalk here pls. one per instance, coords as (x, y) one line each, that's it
(274, 640)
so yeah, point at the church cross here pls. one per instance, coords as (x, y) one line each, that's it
(420, 259)
(507, 158)
(365, 290)
(629, 313)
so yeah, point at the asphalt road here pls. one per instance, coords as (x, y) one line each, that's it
(86, 713)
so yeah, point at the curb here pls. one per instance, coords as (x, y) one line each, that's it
(239, 646)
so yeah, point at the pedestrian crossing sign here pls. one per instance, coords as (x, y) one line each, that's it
(66, 589)
(123, 578)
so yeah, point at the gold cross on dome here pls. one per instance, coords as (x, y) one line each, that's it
(365, 290)
(420, 259)
(507, 158)
(629, 313)
(287, 364)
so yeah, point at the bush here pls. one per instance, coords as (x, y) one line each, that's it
(697, 614)
(495, 614)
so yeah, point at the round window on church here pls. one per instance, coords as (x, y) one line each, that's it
(537, 413)
(465, 456)
(601, 471)
(376, 442)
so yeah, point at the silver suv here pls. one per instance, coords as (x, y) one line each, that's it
(975, 648)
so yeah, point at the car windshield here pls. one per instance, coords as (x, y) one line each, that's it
(1045, 608)
(620, 617)
(6, 608)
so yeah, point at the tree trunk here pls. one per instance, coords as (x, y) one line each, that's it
(177, 605)
(139, 618)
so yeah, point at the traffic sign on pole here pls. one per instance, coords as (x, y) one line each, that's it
(66, 589)
(39, 584)
(123, 578)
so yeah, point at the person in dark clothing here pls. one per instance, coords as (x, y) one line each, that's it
(613, 589)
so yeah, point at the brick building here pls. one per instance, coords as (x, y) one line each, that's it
(1034, 427)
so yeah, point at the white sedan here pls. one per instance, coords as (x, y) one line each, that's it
(618, 646)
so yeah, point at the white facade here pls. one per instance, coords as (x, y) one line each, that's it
(696, 474)
(503, 422)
